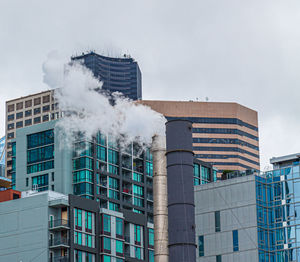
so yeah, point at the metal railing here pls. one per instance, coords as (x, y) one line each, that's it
(58, 223)
(61, 259)
(58, 241)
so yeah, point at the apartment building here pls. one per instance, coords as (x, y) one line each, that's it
(27, 111)
(68, 228)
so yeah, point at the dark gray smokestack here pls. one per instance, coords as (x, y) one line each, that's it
(181, 207)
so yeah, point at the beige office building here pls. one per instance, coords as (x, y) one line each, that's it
(27, 111)
(224, 134)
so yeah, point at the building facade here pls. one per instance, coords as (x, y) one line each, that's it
(117, 74)
(96, 169)
(27, 111)
(224, 134)
(253, 217)
(68, 228)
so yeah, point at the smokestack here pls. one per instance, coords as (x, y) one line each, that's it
(160, 199)
(181, 207)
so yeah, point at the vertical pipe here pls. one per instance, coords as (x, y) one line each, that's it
(181, 207)
(160, 199)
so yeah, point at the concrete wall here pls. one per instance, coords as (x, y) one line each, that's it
(24, 229)
(62, 160)
(236, 201)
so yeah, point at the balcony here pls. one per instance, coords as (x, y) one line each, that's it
(61, 259)
(127, 239)
(59, 224)
(59, 242)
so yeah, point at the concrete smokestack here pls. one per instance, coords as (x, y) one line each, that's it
(181, 207)
(160, 199)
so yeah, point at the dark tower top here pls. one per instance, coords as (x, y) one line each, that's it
(117, 74)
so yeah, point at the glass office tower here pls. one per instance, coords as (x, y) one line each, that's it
(118, 74)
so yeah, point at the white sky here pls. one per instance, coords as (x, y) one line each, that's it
(227, 50)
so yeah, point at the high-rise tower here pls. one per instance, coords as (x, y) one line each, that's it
(117, 74)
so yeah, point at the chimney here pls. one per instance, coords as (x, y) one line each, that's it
(181, 207)
(160, 199)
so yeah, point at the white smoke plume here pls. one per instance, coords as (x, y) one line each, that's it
(92, 111)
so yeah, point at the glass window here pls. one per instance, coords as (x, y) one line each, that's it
(138, 190)
(113, 206)
(119, 227)
(137, 251)
(106, 223)
(28, 122)
(19, 105)
(151, 256)
(113, 157)
(217, 221)
(46, 99)
(201, 246)
(37, 101)
(119, 246)
(45, 118)
(151, 237)
(78, 256)
(28, 103)
(10, 117)
(106, 258)
(37, 120)
(37, 110)
(235, 239)
(19, 115)
(106, 243)
(137, 234)
(101, 153)
(10, 108)
(219, 258)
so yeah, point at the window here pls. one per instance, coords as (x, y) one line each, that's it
(119, 247)
(137, 234)
(10, 126)
(19, 115)
(106, 223)
(217, 221)
(151, 237)
(28, 122)
(37, 120)
(78, 218)
(37, 110)
(28, 113)
(119, 227)
(45, 118)
(52, 176)
(46, 99)
(19, 124)
(151, 256)
(113, 206)
(40, 182)
(106, 258)
(78, 238)
(201, 246)
(19, 105)
(219, 258)
(88, 222)
(52, 187)
(37, 101)
(11, 108)
(27, 181)
(46, 108)
(137, 251)
(10, 117)
(106, 244)
(10, 135)
(235, 240)
(28, 103)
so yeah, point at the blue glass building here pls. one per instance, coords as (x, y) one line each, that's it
(251, 216)
(117, 74)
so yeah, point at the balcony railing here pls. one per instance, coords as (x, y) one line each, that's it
(58, 223)
(61, 259)
(59, 242)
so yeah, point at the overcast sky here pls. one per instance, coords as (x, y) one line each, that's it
(235, 51)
